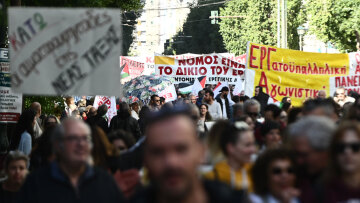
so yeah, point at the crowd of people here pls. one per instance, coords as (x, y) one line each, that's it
(199, 148)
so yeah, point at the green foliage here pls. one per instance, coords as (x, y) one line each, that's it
(205, 37)
(258, 23)
(335, 21)
(50, 105)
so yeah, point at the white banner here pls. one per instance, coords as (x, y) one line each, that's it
(110, 103)
(58, 51)
(10, 103)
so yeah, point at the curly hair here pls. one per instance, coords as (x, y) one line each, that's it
(259, 172)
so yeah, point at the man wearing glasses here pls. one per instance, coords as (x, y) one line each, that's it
(154, 103)
(70, 178)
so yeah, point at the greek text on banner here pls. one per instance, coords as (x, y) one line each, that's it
(291, 73)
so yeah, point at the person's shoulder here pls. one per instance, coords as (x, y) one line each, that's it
(220, 192)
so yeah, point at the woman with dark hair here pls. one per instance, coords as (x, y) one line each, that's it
(204, 117)
(343, 180)
(23, 137)
(50, 121)
(144, 112)
(273, 176)
(124, 121)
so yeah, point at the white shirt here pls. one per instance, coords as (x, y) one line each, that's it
(134, 115)
(224, 114)
(215, 110)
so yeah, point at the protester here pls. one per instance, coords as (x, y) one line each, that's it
(70, 178)
(248, 120)
(200, 98)
(15, 168)
(192, 99)
(310, 139)
(92, 112)
(272, 113)
(238, 111)
(343, 181)
(172, 156)
(262, 98)
(270, 131)
(50, 121)
(121, 140)
(252, 109)
(23, 137)
(224, 102)
(76, 114)
(154, 103)
(214, 106)
(135, 110)
(42, 153)
(214, 153)
(69, 108)
(274, 178)
(321, 94)
(204, 117)
(341, 96)
(143, 116)
(238, 145)
(294, 115)
(125, 122)
(100, 119)
(83, 102)
(36, 106)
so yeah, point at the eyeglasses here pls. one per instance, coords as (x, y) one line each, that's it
(157, 100)
(278, 170)
(77, 139)
(355, 147)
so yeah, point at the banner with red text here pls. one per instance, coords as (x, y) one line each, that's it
(216, 67)
(169, 94)
(291, 73)
(110, 102)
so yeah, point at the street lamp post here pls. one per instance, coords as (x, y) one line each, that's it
(301, 32)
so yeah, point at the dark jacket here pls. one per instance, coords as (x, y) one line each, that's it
(50, 184)
(129, 124)
(228, 112)
(216, 192)
(100, 122)
(263, 99)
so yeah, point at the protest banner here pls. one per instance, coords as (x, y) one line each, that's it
(130, 69)
(110, 102)
(169, 94)
(58, 51)
(291, 73)
(216, 67)
(10, 103)
(350, 82)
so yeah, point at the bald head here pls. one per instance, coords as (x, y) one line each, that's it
(36, 106)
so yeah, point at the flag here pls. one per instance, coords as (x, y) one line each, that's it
(198, 85)
(125, 71)
(217, 89)
(238, 88)
(185, 88)
(110, 103)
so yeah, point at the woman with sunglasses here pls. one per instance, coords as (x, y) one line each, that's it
(273, 176)
(344, 172)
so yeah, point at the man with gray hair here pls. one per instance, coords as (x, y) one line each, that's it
(70, 178)
(36, 106)
(310, 138)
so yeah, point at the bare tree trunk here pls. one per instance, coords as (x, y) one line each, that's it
(357, 40)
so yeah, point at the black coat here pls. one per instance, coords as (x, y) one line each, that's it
(49, 184)
(100, 122)
(228, 113)
(216, 192)
(128, 124)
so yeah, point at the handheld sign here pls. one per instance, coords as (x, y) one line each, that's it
(57, 51)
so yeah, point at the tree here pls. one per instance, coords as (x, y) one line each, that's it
(198, 35)
(336, 21)
(258, 23)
